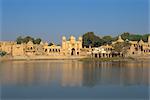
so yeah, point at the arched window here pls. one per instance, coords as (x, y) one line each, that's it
(45, 50)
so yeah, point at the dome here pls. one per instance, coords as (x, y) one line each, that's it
(41, 43)
(63, 38)
(72, 37)
(120, 39)
(80, 38)
(30, 43)
(141, 42)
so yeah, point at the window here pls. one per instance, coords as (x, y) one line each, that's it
(45, 50)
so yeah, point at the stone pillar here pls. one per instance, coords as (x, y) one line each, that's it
(97, 55)
(105, 55)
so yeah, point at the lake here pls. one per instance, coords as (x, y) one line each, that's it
(72, 79)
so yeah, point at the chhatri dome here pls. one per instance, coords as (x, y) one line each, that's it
(30, 43)
(72, 37)
(80, 38)
(141, 42)
(63, 38)
(120, 39)
(41, 43)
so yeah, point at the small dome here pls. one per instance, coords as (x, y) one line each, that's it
(30, 43)
(72, 37)
(80, 38)
(41, 43)
(127, 40)
(120, 39)
(141, 42)
(63, 38)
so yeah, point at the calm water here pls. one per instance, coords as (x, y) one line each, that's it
(71, 79)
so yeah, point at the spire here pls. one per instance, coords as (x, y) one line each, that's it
(120, 39)
(141, 42)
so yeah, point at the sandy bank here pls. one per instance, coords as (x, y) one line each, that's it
(8, 58)
(81, 58)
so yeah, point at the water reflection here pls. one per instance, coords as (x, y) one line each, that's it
(74, 73)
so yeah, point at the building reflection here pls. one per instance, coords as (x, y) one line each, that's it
(72, 73)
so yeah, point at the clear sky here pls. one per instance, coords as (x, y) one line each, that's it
(50, 19)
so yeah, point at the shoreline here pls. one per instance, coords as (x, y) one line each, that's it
(27, 58)
(80, 58)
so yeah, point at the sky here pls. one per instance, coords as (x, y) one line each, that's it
(51, 19)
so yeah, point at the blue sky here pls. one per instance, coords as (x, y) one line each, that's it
(50, 19)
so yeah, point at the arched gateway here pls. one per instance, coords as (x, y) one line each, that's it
(72, 46)
(73, 52)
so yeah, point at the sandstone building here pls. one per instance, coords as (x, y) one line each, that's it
(71, 47)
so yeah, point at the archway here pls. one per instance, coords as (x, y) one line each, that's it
(73, 51)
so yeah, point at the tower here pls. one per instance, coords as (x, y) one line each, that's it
(80, 42)
(63, 42)
(72, 39)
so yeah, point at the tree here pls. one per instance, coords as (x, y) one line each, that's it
(37, 41)
(27, 39)
(19, 40)
(135, 37)
(125, 35)
(145, 37)
(3, 53)
(90, 39)
(50, 44)
(107, 39)
(121, 47)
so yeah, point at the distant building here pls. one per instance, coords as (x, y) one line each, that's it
(71, 47)
(136, 48)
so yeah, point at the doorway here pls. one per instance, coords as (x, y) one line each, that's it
(73, 52)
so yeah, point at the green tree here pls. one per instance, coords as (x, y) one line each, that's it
(135, 37)
(19, 40)
(37, 41)
(27, 39)
(107, 39)
(90, 39)
(121, 47)
(3, 53)
(50, 44)
(145, 37)
(125, 35)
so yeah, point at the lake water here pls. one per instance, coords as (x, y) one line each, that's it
(72, 79)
